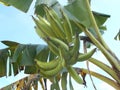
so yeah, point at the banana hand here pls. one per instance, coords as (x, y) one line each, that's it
(53, 72)
(74, 52)
(47, 65)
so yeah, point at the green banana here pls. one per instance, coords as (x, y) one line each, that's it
(54, 14)
(44, 26)
(64, 54)
(76, 45)
(67, 27)
(73, 59)
(53, 72)
(47, 65)
(59, 42)
(38, 31)
(74, 74)
(55, 23)
(64, 81)
(74, 52)
(86, 56)
(52, 46)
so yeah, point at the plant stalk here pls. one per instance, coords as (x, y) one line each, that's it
(87, 63)
(110, 58)
(105, 67)
(103, 78)
(99, 36)
(94, 24)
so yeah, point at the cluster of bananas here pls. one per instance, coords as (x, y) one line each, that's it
(58, 34)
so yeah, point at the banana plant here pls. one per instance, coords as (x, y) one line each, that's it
(61, 28)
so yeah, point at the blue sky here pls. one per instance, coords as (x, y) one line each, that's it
(18, 26)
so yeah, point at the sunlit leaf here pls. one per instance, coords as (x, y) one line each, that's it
(10, 43)
(20, 84)
(42, 83)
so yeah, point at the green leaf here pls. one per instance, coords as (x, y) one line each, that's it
(64, 81)
(70, 83)
(22, 5)
(39, 6)
(78, 10)
(31, 70)
(28, 56)
(18, 52)
(10, 43)
(3, 62)
(9, 87)
(15, 68)
(39, 10)
(42, 53)
(55, 85)
(117, 37)
(100, 18)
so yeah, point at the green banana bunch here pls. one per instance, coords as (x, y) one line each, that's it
(55, 22)
(53, 72)
(74, 52)
(67, 27)
(44, 26)
(86, 56)
(74, 74)
(47, 65)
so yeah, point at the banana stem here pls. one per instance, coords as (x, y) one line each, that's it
(94, 24)
(99, 36)
(109, 57)
(87, 63)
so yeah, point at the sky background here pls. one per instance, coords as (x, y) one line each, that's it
(18, 26)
